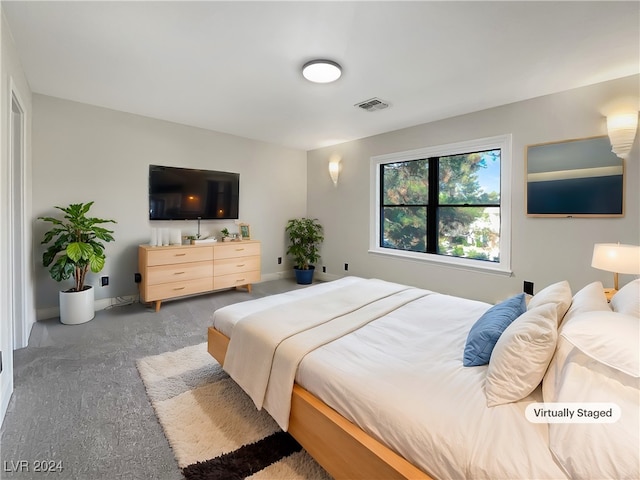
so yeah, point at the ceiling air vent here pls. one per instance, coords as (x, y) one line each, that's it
(372, 104)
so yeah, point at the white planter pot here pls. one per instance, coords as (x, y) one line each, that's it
(77, 307)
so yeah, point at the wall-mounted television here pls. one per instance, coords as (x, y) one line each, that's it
(191, 194)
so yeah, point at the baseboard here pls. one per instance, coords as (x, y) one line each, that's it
(327, 277)
(276, 276)
(45, 313)
(318, 275)
(100, 304)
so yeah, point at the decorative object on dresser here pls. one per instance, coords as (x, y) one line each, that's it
(77, 248)
(245, 231)
(305, 236)
(177, 271)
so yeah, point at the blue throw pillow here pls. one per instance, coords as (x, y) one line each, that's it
(485, 332)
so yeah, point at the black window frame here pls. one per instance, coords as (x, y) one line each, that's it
(433, 205)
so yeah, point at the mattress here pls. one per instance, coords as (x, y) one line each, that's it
(400, 379)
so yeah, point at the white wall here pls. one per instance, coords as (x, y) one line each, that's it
(544, 250)
(83, 153)
(12, 79)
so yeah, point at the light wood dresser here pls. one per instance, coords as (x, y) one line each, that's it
(179, 270)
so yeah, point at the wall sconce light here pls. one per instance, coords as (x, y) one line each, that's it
(334, 168)
(622, 130)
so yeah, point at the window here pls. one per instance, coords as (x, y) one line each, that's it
(448, 204)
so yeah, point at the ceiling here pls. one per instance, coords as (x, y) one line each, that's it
(234, 67)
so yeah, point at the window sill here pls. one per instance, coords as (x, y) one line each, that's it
(444, 261)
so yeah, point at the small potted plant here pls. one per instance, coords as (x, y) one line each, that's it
(75, 248)
(305, 237)
(225, 234)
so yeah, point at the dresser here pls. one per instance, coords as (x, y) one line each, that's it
(179, 270)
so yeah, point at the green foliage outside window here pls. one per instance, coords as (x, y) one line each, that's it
(468, 205)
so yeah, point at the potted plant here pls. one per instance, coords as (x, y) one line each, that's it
(75, 248)
(225, 234)
(305, 236)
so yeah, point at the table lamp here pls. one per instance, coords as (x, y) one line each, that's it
(616, 258)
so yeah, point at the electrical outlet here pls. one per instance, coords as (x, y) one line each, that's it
(137, 278)
(279, 260)
(528, 287)
(324, 269)
(346, 267)
(104, 281)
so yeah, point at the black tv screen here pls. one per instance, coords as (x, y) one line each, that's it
(188, 194)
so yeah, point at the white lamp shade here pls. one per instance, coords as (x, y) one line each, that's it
(617, 258)
(622, 131)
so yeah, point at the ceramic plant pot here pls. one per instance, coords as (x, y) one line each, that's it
(77, 307)
(304, 277)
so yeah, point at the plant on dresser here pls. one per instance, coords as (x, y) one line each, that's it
(181, 270)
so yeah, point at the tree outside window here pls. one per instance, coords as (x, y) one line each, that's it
(446, 205)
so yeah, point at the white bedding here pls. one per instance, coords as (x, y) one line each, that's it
(400, 378)
(225, 318)
(297, 328)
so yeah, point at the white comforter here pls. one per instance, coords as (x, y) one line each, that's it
(400, 378)
(279, 337)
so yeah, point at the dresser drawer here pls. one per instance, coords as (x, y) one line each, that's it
(227, 266)
(178, 272)
(236, 249)
(169, 256)
(236, 279)
(177, 289)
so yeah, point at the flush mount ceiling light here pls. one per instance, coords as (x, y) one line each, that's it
(321, 71)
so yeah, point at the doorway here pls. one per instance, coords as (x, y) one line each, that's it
(18, 247)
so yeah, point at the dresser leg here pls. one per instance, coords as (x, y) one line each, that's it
(249, 287)
(158, 302)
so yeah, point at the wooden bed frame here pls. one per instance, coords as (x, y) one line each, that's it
(339, 446)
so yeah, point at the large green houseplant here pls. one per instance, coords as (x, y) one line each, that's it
(305, 236)
(75, 247)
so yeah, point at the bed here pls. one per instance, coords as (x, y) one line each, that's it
(376, 387)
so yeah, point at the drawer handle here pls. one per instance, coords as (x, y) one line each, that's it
(239, 249)
(241, 265)
(180, 254)
(179, 288)
(178, 273)
(240, 280)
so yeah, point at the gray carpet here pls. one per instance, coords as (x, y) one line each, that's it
(79, 401)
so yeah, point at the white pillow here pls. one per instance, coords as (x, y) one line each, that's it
(589, 299)
(558, 294)
(521, 356)
(610, 338)
(627, 300)
(593, 450)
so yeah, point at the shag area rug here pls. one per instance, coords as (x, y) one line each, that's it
(213, 427)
